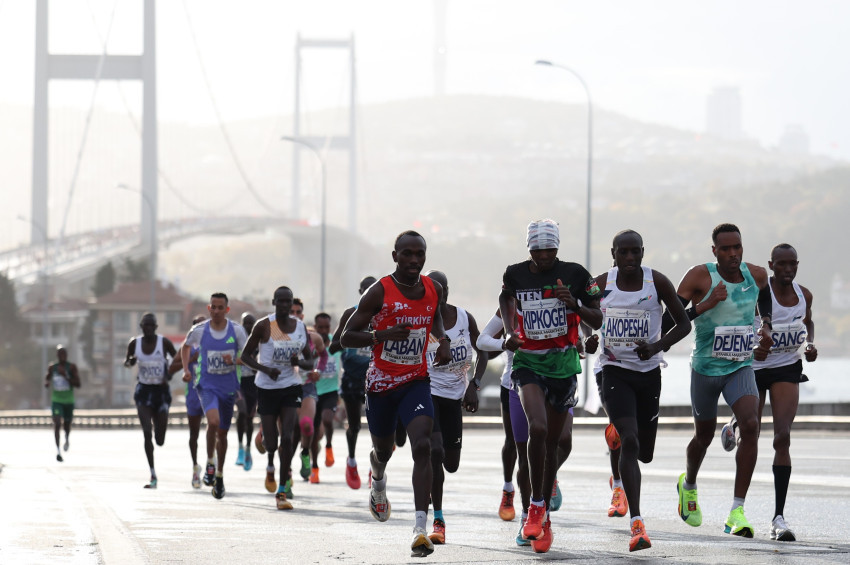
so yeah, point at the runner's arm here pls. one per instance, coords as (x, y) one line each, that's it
(335, 345)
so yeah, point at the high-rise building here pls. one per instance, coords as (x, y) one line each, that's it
(723, 113)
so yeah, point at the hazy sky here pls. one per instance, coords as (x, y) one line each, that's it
(655, 61)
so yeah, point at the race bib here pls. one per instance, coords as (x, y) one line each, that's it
(733, 343)
(216, 364)
(60, 383)
(329, 372)
(624, 327)
(151, 372)
(788, 338)
(544, 319)
(284, 351)
(460, 358)
(408, 351)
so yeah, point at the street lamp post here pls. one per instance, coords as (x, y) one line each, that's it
(324, 228)
(44, 302)
(589, 184)
(153, 242)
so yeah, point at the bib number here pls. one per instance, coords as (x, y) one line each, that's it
(733, 343)
(60, 383)
(623, 328)
(151, 372)
(788, 338)
(406, 352)
(284, 351)
(544, 319)
(217, 362)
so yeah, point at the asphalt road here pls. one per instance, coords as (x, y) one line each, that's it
(92, 508)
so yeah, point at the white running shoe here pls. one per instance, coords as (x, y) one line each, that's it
(421, 545)
(380, 507)
(729, 435)
(780, 531)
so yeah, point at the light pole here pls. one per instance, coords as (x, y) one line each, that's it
(153, 241)
(589, 186)
(44, 303)
(323, 253)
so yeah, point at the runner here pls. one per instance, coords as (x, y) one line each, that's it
(449, 392)
(327, 388)
(194, 410)
(402, 310)
(278, 344)
(305, 431)
(246, 403)
(550, 297)
(217, 380)
(724, 296)
(782, 372)
(631, 359)
(355, 362)
(63, 377)
(151, 352)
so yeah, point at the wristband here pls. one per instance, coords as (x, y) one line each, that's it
(477, 383)
(374, 334)
(446, 339)
(692, 312)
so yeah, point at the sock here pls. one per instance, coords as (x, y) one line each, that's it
(153, 473)
(509, 487)
(58, 450)
(438, 515)
(351, 462)
(634, 519)
(218, 474)
(210, 461)
(781, 478)
(617, 483)
(380, 485)
(304, 452)
(421, 517)
(538, 502)
(688, 486)
(525, 514)
(270, 469)
(736, 502)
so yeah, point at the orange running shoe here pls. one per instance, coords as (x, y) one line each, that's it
(282, 502)
(271, 482)
(543, 544)
(619, 504)
(258, 442)
(639, 538)
(329, 456)
(506, 508)
(534, 524)
(612, 437)
(314, 475)
(438, 536)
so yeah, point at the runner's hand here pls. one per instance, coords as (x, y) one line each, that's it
(646, 350)
(273, 373)
(444, 354)
(563, 294)
(718, 295)
(513, 342)
(811, 352)
(398, 332)
(591, 344)
(187, 376)
(470, 398)
(313, 376)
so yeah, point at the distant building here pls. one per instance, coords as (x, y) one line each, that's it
(723, 113)
(794, 140)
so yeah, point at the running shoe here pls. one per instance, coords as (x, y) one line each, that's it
(619, 504)
(737, 525)
(271, 482)
(59, 457)
(728, 435)
(218, 488)
(780, 531)
(421, 545)
(506, 508)
(151, 484)
(438, 536)
(329, 456)
(352, 477)
(557, 498)
(287, 488)
(380, 507)
(688, 506)
(209, 475)
(544, 542)
(258, 442)
(639, 538)
(612, 437)
(66, 446)
(282, 502)
(314, 475)
(534, 524)
(196, 476)
(520, 539)
(249, 461)
(305, 465)
(240, 458)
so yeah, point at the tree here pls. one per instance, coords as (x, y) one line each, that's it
(135, 271)
(20, 378)
(104, 280)
(10, 321)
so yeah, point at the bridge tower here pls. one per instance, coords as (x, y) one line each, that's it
(94, 67)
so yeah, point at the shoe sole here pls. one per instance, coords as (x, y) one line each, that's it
(421, 549)
(642, 543)
(679, 492)
(745, 532)
(437, 540)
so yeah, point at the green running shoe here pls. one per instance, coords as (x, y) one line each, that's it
(688, 505)
(305, 465)
(737, 525)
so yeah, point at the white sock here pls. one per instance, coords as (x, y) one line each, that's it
(381, 485)
(351, 462)
(509, 487)
(525, 514)
(736, 502)
(421, 517)
(153, 473)
(634, 518)
(618, 483)
(58, 450)
(538, 502)
(688, 486)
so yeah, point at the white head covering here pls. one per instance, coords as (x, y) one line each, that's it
(543, 234)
